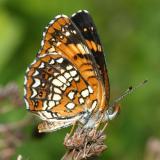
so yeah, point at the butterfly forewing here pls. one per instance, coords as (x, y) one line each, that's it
(63, 37)
(86, 26)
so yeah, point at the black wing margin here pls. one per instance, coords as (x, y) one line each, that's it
(86, 26)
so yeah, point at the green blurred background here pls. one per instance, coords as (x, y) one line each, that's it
(130, 34)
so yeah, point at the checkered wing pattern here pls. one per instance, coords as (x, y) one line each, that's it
(64, 82)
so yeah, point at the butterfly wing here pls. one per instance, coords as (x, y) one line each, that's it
(85, 24)
(63, 83)
(63, 37)
(55, 87)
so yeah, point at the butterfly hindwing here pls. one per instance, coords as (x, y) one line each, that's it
(56, 90)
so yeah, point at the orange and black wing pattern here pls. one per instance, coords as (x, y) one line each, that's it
(68, 79)
(86, 26)
(64, 82)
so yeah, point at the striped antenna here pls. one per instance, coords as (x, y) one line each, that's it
(112, 106)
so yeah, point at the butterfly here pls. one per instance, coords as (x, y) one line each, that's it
(68, 80)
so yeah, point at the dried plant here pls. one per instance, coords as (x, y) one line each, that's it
(84, 144)
(152, 149)
(11, 135)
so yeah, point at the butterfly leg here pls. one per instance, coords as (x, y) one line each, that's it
(72, 129)
(111, 116)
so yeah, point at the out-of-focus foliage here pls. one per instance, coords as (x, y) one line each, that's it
(130, 33)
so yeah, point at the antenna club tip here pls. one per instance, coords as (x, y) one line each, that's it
(145, 81)
(130, 88)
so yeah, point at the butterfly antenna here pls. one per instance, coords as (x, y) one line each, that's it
(113, 109)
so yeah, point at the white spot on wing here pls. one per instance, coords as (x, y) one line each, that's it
(74, 31)
(24, 91)
(69, 67)
(61, 36)
(73, 73)
(55, 74)
(58, 16)
(50, 96)
(71, 94)
(85, 29)
(79, 11)
(42, 65)
(58, 43)
(85, 11)
(44, 33)
(37, 82)
(34, 93)
(81, 100)
(53, 39)
(42, 43)
(51, 104)
(51, 50)
(57, 103)
(76, 78)
(73, 14)
(63, 29)
(70, 79)
(70, 105)
(60, 60)
(90, 89)
(68, 84)
(36, 73)
(79, 46)
(62, 71)
(56, 82)
(87, 51)
(62, 79)
(64, 16)
(68, 34)
(57, 90)
(85, 93)
(67, 75)
(47, 114)
(45, 105)
(33, 63)
(27, 104)
(27, 70)
(41, 115)
(25, 80)
(94, 104)
(52, 61)
(63, 88)
(51, 22)
(56, 97)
